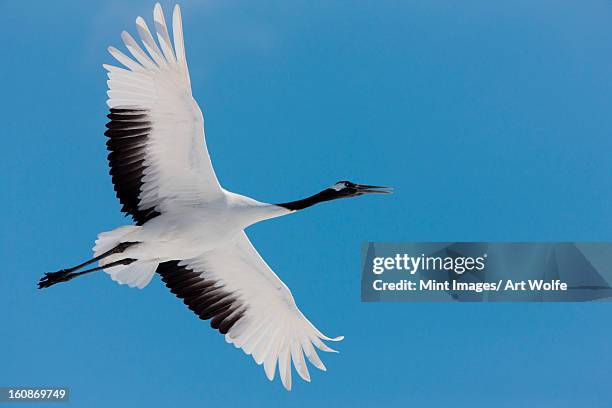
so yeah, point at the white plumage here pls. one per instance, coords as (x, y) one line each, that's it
(190, 228)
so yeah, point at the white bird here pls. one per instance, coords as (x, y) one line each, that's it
(188, 228)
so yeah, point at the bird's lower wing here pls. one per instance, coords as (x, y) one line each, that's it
(248, 303)
(158, 155)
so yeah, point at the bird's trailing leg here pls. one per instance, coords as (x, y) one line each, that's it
(51, 278)
(64, 275)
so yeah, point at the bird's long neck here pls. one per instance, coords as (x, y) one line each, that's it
(250, 211)
(325, 195)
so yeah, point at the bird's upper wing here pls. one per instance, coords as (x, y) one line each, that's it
(158, 155)
(248, 303)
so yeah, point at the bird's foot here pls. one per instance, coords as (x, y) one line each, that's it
(51, 278)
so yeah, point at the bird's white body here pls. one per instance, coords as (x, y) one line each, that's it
(187, 232)
(190, 230)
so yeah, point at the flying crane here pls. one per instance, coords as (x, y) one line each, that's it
(188, 228)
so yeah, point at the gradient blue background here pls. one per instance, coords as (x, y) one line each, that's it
(491, 119)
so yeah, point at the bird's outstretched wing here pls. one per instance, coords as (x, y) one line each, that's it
(248, 303)
(158, 152)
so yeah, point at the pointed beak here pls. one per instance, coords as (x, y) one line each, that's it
(365, 189)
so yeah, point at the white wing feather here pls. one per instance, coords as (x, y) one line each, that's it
(273, 330)
(178, 170)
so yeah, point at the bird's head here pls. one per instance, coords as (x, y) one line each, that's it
(345, 189)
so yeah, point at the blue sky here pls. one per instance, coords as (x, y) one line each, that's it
(491, 120)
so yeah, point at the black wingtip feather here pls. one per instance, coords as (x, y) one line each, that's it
(205, 297)
(128, 132)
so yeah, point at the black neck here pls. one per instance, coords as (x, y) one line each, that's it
(324, 195)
